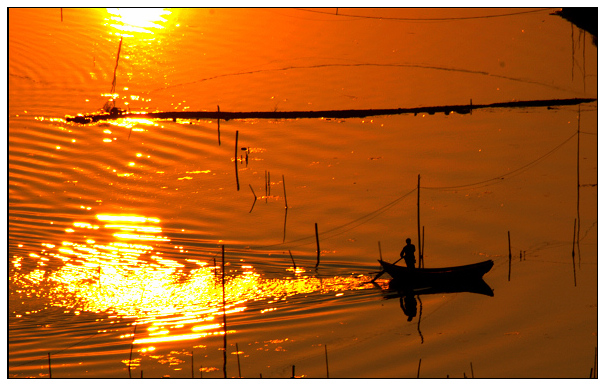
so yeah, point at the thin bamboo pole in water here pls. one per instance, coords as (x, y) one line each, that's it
(422, 251)
(218, 125)
(235, 160)
(255, 198)
(573, 252)
(283, 179)
(224, 317)
(239, 369)
(419, 319)
(317, 241)
(131, 345)
(510, 256)
(420, 262)
(578, 187)
(285, 223)
(327, 367)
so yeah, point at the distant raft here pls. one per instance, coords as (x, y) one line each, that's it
(116, 113)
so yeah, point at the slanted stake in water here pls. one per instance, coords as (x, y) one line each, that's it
(317, 240)
(235, 160)
(510, 256)
(224, 317)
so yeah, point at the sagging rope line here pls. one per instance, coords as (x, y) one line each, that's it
(367, 218)
(500, 178)
(375, 213)
(44, 358)
(427, 19)
(379, 211)
(391, 65)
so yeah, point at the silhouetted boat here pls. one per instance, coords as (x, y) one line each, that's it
(585, 18)
(419, 281)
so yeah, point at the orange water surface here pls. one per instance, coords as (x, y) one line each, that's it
(117, 228)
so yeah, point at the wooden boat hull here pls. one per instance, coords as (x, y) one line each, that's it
(418, 281)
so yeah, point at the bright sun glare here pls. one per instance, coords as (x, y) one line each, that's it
(143, 20)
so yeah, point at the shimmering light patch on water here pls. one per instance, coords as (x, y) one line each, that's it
(133, 280)
(139, 20)
(126, 218)
(131, 123)
(134, 227)
(133, 236)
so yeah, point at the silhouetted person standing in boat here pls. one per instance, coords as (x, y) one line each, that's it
(407, 253)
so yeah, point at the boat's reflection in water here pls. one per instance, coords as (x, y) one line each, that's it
(410, 300)
(408, 295)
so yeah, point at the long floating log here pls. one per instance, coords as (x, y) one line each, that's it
(225, 115)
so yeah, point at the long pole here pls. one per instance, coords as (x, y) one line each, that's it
(510, 256)
(218, 125)
(419, 245)
(131, 344)
(578, 187)
(115, 70)
(283, 179)
(423, 244)
(239, 369)
(235, 160)
(292, 257)
(224, 318)
(317, 241)
(573, 252)
(327, 368)
(419, 319)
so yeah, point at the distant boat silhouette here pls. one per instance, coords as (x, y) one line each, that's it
(585, 18)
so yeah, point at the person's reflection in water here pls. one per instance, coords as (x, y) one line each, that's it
(409, 306)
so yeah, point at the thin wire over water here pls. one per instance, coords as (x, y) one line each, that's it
(426, 19)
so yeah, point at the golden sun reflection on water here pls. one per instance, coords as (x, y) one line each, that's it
(136, 20)
(124, 274)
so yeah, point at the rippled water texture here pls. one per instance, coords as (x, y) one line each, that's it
(117, 228)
